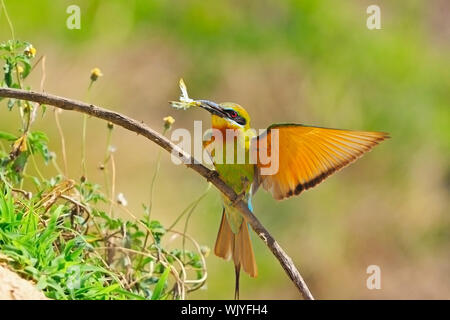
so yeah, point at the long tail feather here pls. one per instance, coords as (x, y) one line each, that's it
(237, 273)
(239, 247)
(225, 239)
(243, 251)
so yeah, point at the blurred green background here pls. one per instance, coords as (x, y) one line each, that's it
(311, 62)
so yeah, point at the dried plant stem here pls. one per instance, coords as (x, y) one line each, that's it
(113, 185)
(83, 147)
(105, 162)
(211, 176)
(11, 28)
(63, 141)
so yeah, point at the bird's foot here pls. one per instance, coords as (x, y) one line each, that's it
(239, 197)
(212, 175)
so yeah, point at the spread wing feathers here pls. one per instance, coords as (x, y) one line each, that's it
(307, 155)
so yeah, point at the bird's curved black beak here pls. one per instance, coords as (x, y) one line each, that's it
(212, 107)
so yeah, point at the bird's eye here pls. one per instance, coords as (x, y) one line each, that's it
(233, 114)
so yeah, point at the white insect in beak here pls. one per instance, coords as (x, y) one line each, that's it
(184, 101)
(184, 95)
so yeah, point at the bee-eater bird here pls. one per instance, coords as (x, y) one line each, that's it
(306, 156)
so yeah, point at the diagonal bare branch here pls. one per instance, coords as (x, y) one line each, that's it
(144, 130)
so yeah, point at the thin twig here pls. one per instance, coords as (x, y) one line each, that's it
(63, 141)
(210, 175)
(78, 204)
(113, 185)
(44, 75)
(164, 263)
(198, 282)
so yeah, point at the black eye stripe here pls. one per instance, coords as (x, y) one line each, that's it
(240, 120)
(233, 115)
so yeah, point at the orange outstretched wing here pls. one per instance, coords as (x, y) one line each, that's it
(307, 155)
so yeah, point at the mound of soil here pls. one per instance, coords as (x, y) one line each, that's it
(13, 287)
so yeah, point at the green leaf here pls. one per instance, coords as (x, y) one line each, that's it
(108, 289)
(11, 103)
(6, 206)
(26, 65)
(130, 295)
(37, 141)
(30, 222)
(7, 136)
(7, 69)
(20, 162)
(32, 271)
(44, 109)
(49, 234)
(157, 293)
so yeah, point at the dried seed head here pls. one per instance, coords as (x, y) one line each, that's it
(112, 149)
(121, 200)
(95, 74)
(205, 250)
(30, 51)
(168, 122)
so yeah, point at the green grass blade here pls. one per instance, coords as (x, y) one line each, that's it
(157, 293)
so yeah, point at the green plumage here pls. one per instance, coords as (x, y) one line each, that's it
(240, 178)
